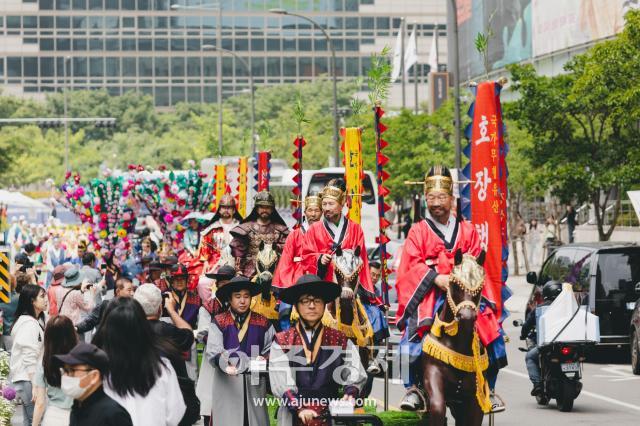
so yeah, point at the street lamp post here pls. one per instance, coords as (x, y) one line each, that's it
(453, 21)
(253, 104)
(66, 124)
(336, 138)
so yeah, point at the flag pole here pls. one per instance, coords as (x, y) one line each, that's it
(415, 69)
(402, 69)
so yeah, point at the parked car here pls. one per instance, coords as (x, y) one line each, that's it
(634, 339)
(605, 275)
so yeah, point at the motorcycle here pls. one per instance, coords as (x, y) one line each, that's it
(561, 371)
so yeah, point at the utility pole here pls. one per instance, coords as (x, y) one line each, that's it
(402, 70)
(415, 71)
(66, 123)
(453, 20)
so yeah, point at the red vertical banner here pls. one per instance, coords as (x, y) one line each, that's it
(381, 176)
(488, 187)
(296, 202)
(263, 167)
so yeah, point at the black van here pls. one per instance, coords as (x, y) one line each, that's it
(605, 275)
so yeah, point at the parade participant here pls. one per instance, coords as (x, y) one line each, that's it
(211, 306)
(148, 248)
(303, 366)
(377, 319)
(263, 228)
(289, 267)
(191, 239)
(81, 249)
(263, 224)
(427, 259)
(56, 255)
(152, 269)
(217, 235)
(333, 231)
(186, 302)
(240, 334)
(84, 368)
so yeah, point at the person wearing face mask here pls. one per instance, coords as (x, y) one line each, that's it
(84, 368)
(234, 336)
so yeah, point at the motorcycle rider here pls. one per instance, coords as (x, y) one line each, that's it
(550, 291)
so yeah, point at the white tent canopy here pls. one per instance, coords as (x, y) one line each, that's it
(19, 204)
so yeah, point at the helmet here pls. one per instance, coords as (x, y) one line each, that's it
(227, 200)
(180, 270)
(264, 198)
(551, 290)
(438, 179)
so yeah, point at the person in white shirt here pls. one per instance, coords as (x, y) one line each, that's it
(27, 333)
(141, 379)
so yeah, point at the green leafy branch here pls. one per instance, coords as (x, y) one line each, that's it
(299, 113)
(379, 76)
(482, 43)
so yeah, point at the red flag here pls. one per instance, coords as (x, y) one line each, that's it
(486, 202)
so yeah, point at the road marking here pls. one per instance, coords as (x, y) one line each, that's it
(591, 394)
(617, 373)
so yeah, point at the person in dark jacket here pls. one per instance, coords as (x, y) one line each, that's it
(84, 368)
(550, 291)
(124, 288)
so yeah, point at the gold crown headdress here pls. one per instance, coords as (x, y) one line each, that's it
(437, 182)
(334, 193)
(312, 200)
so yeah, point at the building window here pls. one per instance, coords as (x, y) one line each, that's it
(79, 4)
(112, 67)
(95, 4)
(96, 67)
(45, 4)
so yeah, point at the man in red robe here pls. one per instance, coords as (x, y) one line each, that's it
(216, 237)
(335, 231)
(427, 260)
(289, 267)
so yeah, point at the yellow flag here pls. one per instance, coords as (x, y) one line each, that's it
(221, 182)
(353, 171)
(242, 186)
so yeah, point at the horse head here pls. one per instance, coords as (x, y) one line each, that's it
(267, 258)
(465, 286)
(347, 264)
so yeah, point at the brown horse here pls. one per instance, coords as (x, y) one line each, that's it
(348, 312)
(453, 358)
(265, 303)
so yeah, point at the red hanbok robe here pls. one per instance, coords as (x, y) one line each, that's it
(290, 267)
(425, 255)
(319, 240)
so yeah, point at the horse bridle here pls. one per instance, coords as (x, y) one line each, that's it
(468, 289)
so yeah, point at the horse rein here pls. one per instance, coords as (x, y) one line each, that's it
(473, 291)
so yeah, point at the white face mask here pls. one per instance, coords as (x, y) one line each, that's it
(70, 386)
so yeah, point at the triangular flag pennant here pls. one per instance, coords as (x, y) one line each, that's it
(467, 132)
(384, 191)
(467, 151)
(296, 166)
(385, 175)
(382, 127)
(383, 144)
(343, 132)
(384, 223)
(382, 160)
(296, 191)
(296, 178)
(466, 172)
(386, 207)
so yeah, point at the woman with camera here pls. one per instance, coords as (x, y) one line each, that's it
(80, 299)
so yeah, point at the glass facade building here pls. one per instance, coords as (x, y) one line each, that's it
(156, 46)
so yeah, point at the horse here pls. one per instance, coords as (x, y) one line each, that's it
(453, 358)
(265, 303)
(348, 313)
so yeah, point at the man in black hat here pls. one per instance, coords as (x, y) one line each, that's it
(83, 371)
(263, 225)
(210, 308)
(304, 367)
(236, 338)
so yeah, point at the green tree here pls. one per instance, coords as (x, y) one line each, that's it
(584, 123)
